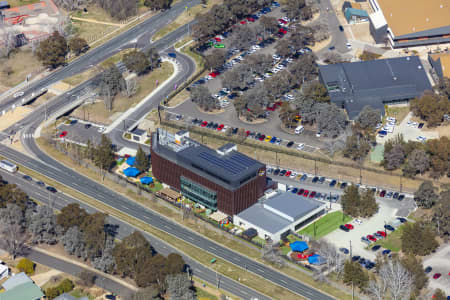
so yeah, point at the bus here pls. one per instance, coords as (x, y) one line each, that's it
(8, 166)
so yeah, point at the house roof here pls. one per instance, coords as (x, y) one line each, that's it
(66, 296)
(405, 17)
(374, 82)
(16, 280)
(445, 62)
(138, 131)
(24, 291)
(355, 12)
(263, 218)
(292, 205)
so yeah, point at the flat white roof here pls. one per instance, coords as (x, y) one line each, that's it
(377, 19)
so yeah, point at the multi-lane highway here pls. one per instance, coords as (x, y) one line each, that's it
(59, 200)
(137, 36)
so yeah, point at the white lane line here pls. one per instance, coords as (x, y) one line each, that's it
(124, 207)
(168, 227)
(260, 270)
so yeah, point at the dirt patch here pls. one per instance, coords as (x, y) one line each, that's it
(98, 113)
(361, 32)
(256, 121)
(15, 69)
(313, 19)
(443, 130)
(13, 116)
(320, 45)
(211, 112)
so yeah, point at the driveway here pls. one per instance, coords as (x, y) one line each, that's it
(440, 262)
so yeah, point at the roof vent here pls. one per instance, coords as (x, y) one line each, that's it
(227, 148)
(414, 29)
(408, 58)
(419, 67)
(441, 6)
(395, 78)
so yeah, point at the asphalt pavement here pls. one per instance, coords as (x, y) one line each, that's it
(138, 35)
(59, 200)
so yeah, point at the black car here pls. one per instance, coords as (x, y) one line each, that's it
(376, 248)
(428, 269)
(40, 183)
(194, 121)
(386, 252)
(215, 125)
(290, 144)
(341, 28)
(322, 179)
(343, 228)
(420, 125)
(87, 125)
(331, 48)
(27, 178)
(210, 124)
(369, 265)
(283, 172)
(304, 177)
(356, 258)
(257, 136)
(402, 220)
(276, 172)
(395, 196)
(401, 197)
(389, 227)
(315, 179)
(333, 183)
(235, 130)
(51, 189)
(343, 185)
(362, 260)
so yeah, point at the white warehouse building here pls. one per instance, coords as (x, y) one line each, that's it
(279, 213)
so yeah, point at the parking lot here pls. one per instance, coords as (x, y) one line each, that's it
(386, 215)
(79, 131)
(440, 263)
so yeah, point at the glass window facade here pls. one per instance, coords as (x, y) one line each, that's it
(198, 193)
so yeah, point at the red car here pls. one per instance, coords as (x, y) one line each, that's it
(300, 192)
(243, 22)
(271, 108)
(262, 137)
(371, 238)
(313, 193)
(382, 233)
(220, 127)
(305, 194)
(204, 123)
(212, 74)
(437, 275)
(217, 39)
(349, 226)
(288, 173)
(282, 30)
(63, 134)
(250, 19)
(247, 133)
(282, 21)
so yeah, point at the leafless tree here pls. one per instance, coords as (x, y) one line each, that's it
(377, 288)
(131, 86)
(271, 254)
(321, 32)
(108, 99)
(399, 281)
(9, 40)
(13, 239)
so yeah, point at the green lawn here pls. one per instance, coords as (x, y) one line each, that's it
(77, 293)
(393, 240)
(325, 225)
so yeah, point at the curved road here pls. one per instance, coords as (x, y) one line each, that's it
(138, 35)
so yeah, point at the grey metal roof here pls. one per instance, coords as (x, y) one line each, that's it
(231, 170)
(66, 296)
(16, 280)
(440, 31)
(138, 131)
(263, 218)
(375, 82)
(293, 205)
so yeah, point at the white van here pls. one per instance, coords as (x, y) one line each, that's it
(299, 129)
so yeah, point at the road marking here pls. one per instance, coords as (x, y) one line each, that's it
(168, 227)
(124, 207)
(283, 281)
(260, 270)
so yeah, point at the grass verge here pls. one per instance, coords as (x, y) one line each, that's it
(393, 241)
(325, 225)
(15, 69)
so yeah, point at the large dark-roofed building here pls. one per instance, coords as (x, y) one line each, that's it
(374, 83)
(222, 179)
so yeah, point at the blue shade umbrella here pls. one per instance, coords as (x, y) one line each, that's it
(316, 259)
(131, 172)
(299, 246)
(131, 160)
(146, 180)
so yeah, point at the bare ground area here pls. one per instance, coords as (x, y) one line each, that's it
(15, 69)
(13, 116)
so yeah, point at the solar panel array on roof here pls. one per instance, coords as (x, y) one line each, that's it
(246, 161)
(227, 164)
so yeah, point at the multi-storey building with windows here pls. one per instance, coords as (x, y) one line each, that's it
(223, 179)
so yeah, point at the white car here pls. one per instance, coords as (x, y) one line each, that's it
(358, 221)
(293, 175)
(300, 146)
(421, 138)
(349, 46)
(276, 57)
(257, 47)
(226, 90)
(18, 94)
(289, 59)
(290, 97)
(101, 129)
